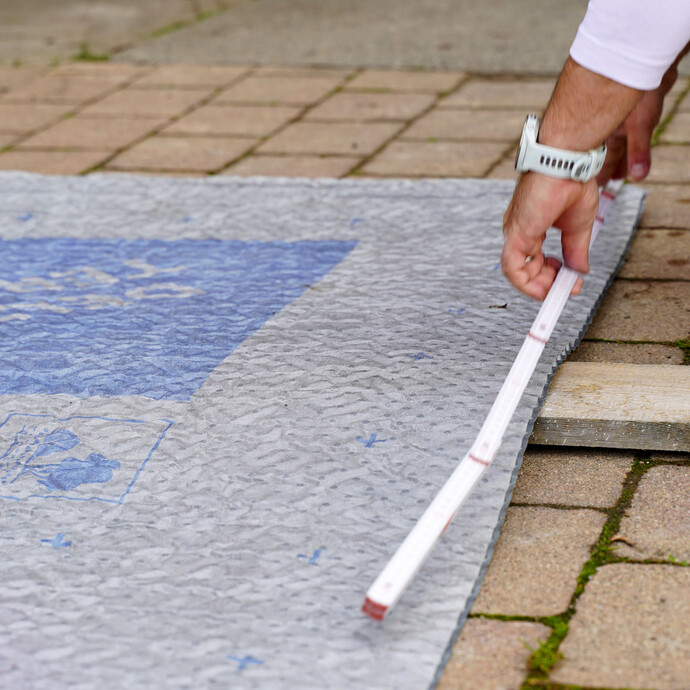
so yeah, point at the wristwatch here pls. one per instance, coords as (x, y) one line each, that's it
(570, 165)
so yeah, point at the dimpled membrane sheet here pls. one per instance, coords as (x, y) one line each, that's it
(226, 402)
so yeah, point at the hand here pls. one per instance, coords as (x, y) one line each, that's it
(629, 147)
(540, 202)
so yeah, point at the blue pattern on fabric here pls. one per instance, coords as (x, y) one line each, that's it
(79, 458)
(141, 317)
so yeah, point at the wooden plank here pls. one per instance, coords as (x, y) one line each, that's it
(640, 406)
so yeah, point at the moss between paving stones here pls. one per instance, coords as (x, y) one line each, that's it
(547, 654)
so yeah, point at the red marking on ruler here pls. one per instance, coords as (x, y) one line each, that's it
(536, 337)
(476, 459)
(608, 195)
(600, 219)
(376, 611)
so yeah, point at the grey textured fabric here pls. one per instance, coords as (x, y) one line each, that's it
(226, 402)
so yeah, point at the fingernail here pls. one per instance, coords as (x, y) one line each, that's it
(638, 170)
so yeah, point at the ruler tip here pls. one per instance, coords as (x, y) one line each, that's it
(376, 611)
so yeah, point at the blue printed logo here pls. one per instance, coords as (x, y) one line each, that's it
(79, 458)
(141, 317)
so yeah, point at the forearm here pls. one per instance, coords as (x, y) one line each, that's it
(584, 109)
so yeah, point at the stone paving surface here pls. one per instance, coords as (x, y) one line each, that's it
(630, 630)
(626, 625)
(538, 556)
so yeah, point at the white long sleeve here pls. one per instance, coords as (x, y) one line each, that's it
(632, 42)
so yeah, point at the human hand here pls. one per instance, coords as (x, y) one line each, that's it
(629, 147)
(540, 202)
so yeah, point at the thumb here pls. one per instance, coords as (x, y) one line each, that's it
(576, 249)
(576, 227)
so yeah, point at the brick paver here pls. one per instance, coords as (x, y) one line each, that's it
(294, 166)
(147, 102)
(192, 76)
(11, 77)
(491, 654)
(678, 131)
(334, 138)
(435, 159)
(502, 94)
(670, 164)
(571, 478)
(23, 118)
(667, 206)
(286, 91)
(663, 254)
(504, 169)
(468, 125)
(234, 120)
(414, 82)
(371, 106)
(92, 133)
(643, 310)
(52, 162)
(537, 559)
(60, 89)
(202, 154)
(630, 630)
(657, 525)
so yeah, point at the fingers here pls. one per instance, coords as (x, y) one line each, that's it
(531, 274)
(616, 163)
(640, 127)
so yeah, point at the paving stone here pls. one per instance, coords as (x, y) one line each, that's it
(661, 254)
(234, 120)
(52, 162)
(294, 166)
(678, 130)
(283, 90)
(504, 169)
(563, 476)
(641, 310)
(502, 125)
(371, 106)
(449, 158)
(667, 206)
(193, 76)
(416, 82)
(7, 139)
(92, 133)
(202, 154)
(630, 630)
(24, 118)
(113, 72)
(537, 559)
(642, 353)
(502, 94)
(13, 77)
(333, 138)
(146, 102)
(491, 654)
(66, 88)
(656, 524)
(670, 164)
(301, 72)
(684, 105)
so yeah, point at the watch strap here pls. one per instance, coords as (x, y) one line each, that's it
(547, 160)
(573, 165)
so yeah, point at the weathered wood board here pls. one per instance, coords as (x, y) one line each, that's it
(639, 406)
